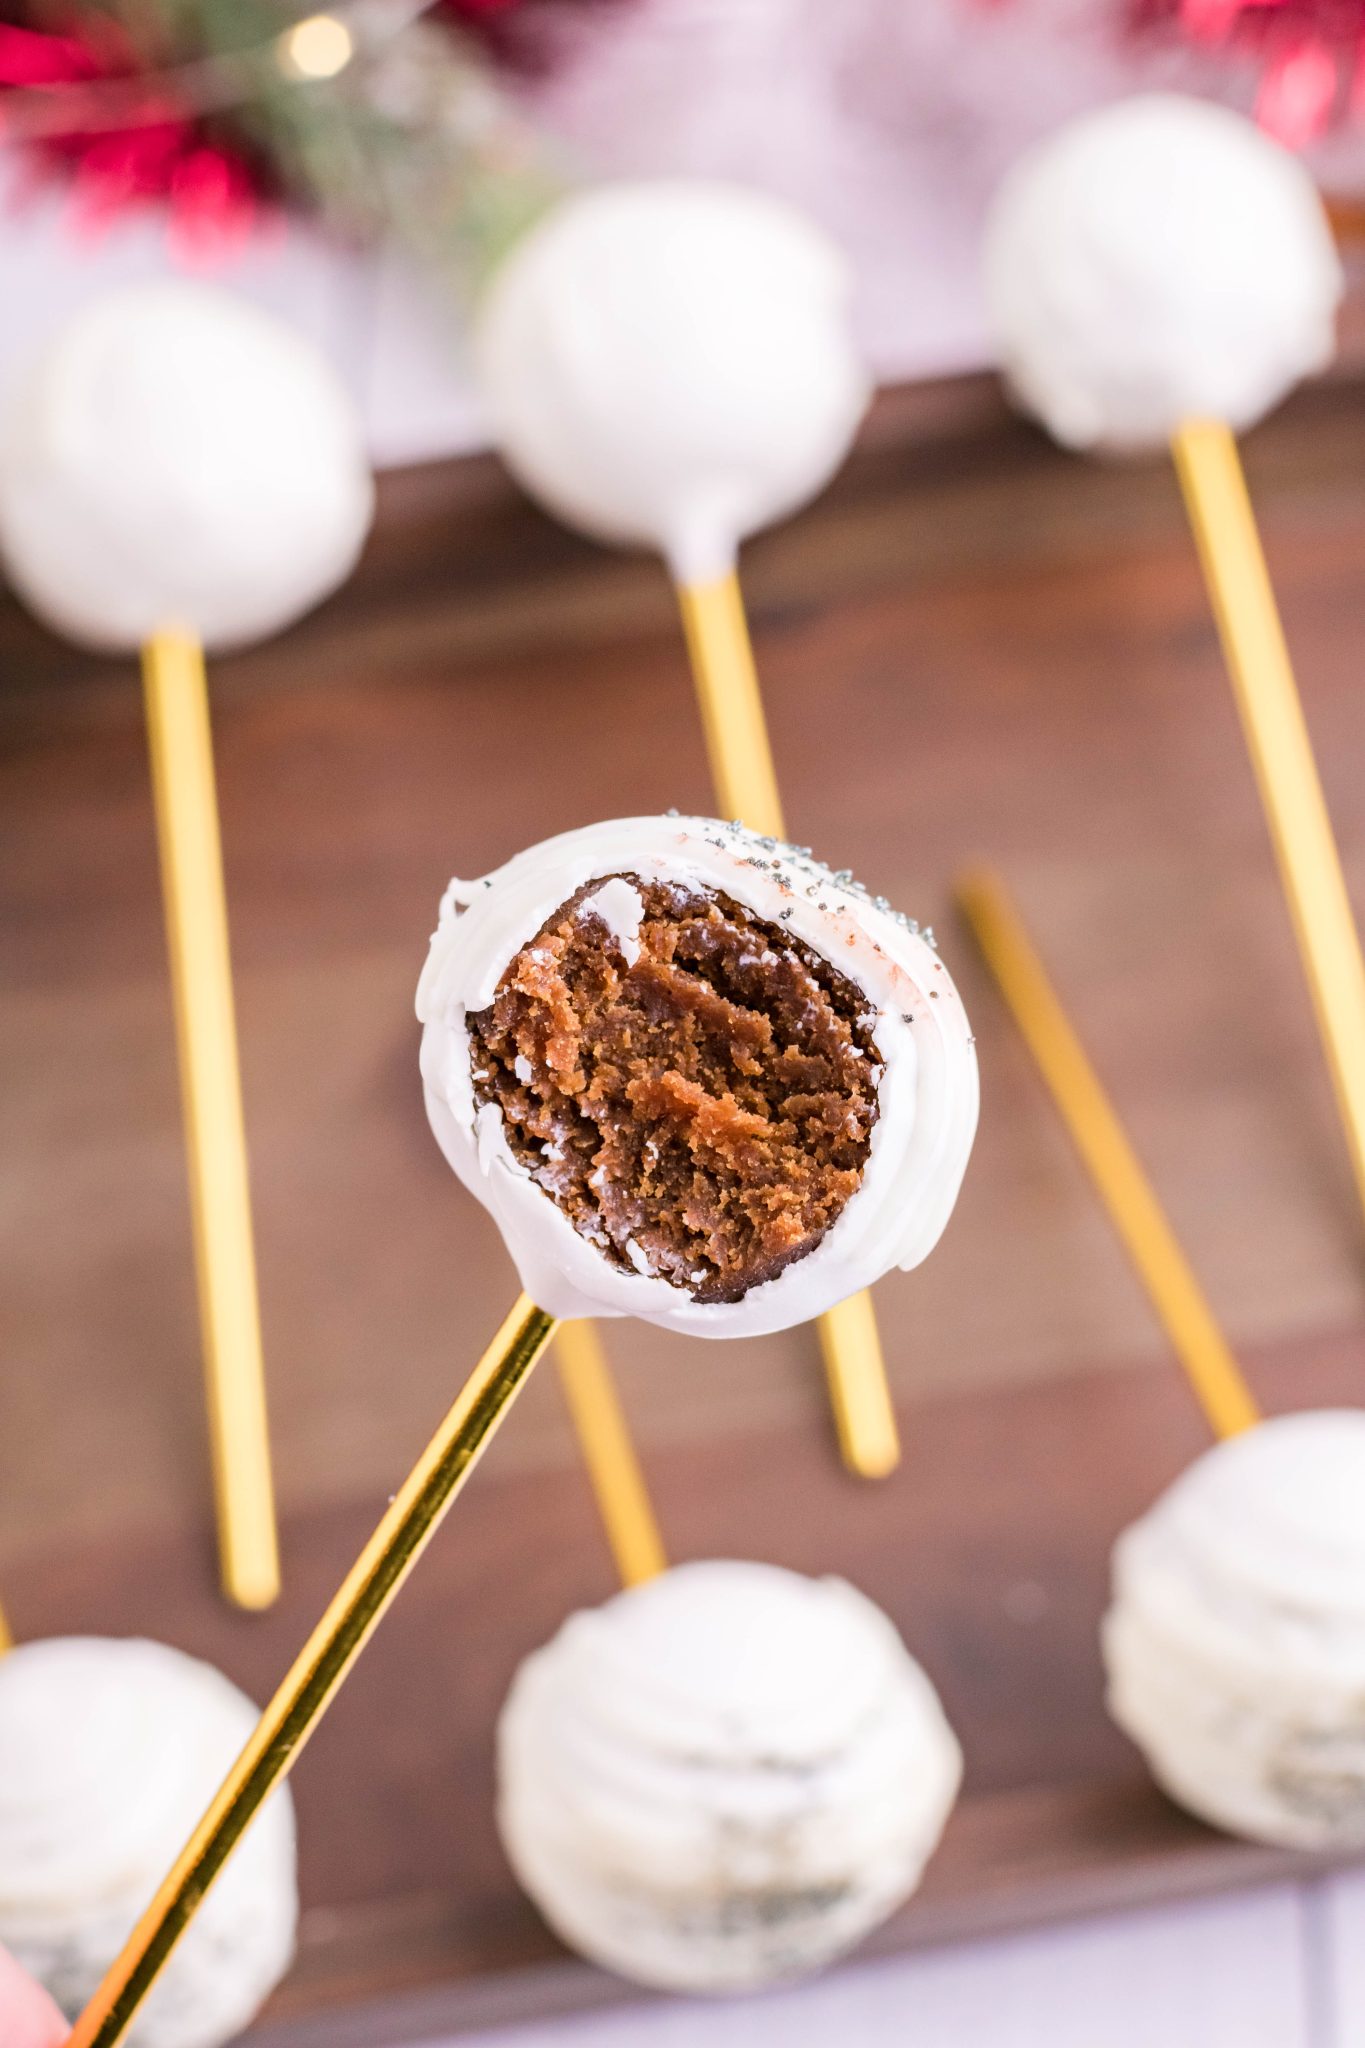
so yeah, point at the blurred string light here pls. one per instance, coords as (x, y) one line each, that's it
(320, 46)
(313, 49)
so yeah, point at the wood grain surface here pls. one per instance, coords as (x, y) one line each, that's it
(972, 646)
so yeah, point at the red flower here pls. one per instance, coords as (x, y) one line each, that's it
(1309, 51)
(1299, 90)
(28, 58)
(157, 151)
(83, 97)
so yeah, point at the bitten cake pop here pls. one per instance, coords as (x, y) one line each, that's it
(178, 457)
(669, 363)
(1158, 261)
(109, 1750)
(1160, 270)
(696, 1077)
(1235, 1644)
(723, 1778)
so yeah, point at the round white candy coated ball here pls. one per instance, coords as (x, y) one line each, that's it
(1157, 261)
(1235, 1642)
(670, 364)
(724, 1777)
(110, 1750)
(927, 1094)
(179, 457)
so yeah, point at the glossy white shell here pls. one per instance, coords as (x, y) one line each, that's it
(670, 363)
(179, 457)
(1157, 261)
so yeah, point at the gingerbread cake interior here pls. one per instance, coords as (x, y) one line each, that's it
(695, 1088)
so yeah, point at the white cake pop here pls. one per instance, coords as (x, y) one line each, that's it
(592, 1238)
(1158, 261)
(1235, 1644)
(726, 1776)
(109, 1752)
(179, 457)
(670, 364)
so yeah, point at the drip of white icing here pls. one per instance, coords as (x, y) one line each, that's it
(621, 910)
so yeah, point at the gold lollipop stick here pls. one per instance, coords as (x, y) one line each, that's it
(864, 1420)
(737, 746)
(6, 1635)
(1257, 658)
(746, 788)
(403, 1533)
(617, 1481)
(206, 1035)
(1109, 1158)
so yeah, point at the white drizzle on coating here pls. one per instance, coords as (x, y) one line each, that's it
(109, 1751)
(1235, 1641)
(724, 1777)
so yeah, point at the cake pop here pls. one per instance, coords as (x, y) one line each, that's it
(1158, 261)
(696, 1077)
(110, 1749)
(181, 468)
(729, 1779)
(722, 1778)
(1160, 270)
(669, 364)
(178, 457)
(1235, 1642)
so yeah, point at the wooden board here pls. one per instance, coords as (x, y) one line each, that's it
(972, 646)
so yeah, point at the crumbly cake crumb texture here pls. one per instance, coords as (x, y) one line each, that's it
(697, 1094)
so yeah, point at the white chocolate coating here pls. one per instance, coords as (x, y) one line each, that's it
(109, 1752)
(1235, 1644)
(927, 1097)
(178, 457)
(670, 364)
(1157, 261)
(724, 1777)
